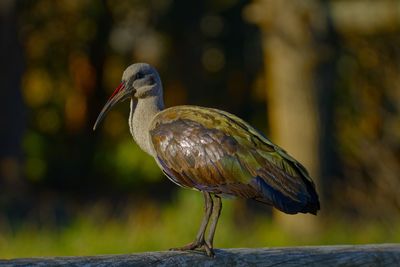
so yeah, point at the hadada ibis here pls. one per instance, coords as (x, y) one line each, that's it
(211, 151)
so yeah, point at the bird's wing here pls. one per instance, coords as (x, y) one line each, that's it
(212, 150)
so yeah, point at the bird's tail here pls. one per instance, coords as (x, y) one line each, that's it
(305, 201)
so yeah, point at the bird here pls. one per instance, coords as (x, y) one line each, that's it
(211, 151)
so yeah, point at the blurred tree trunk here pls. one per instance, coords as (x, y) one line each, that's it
(370, 145)
(290, 57)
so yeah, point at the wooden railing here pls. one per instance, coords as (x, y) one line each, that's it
(343, 255)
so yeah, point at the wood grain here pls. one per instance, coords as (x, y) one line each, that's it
(342, 255)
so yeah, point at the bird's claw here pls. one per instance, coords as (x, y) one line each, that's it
(199, 246)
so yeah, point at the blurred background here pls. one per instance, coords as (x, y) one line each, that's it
(320, 78)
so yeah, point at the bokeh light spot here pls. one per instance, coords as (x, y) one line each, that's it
(36, 45)
(129, 158)
(9, 169)
(213, 59)
(35, 168)
(212, 25)
(33, 144)
(37, 87)
(115, 124)
(82, 72)
(48, 121)
(150, 48)
(113, 69)
(75, 111)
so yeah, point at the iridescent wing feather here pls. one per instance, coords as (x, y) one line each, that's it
(214, 151)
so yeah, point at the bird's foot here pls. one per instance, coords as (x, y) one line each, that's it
(199, 246)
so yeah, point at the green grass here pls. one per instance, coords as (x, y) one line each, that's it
(152, 228)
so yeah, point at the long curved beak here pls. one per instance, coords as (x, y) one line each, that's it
(119, 94)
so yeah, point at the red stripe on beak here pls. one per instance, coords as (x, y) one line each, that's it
(120, 87)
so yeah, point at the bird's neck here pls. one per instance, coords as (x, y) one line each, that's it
(140, 118)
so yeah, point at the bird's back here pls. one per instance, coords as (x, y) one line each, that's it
(214, 151)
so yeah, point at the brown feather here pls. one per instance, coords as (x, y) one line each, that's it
(214, 151)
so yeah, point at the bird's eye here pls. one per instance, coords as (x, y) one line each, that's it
(139, 75)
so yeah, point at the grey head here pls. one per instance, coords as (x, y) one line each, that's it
(143, 79)
(139, 80)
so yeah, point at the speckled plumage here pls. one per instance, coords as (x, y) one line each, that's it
(214, 151)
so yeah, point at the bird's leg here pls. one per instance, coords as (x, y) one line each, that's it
(199, 242)
(214, 220)
(208, 207)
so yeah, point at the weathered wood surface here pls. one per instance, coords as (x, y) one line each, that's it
(344, 255)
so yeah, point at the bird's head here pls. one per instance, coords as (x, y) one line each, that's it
(139, 80)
